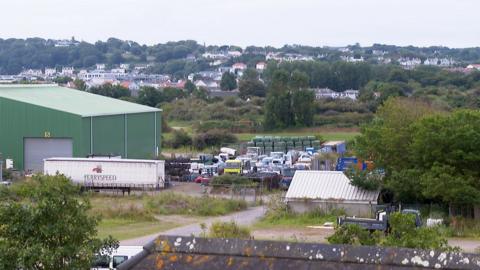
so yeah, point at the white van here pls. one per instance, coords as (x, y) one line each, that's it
(119, 256)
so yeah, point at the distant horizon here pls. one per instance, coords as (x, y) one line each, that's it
(243, 47)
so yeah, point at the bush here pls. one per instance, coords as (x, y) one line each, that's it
(352, 234)
(228, 230)
(230, 179)
(213, 137)
(403, 233)
(179, 138)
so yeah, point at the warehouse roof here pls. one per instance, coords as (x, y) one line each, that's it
(71, 101)
(327, 185)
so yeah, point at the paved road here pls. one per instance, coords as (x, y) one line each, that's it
(243, 218)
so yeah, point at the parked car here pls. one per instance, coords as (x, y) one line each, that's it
(119, 256)
(202, 179)
(5, 183)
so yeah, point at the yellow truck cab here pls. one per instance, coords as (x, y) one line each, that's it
(233, 166)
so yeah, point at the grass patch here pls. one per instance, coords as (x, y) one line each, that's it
(462, 227)
(279, 215)
(122, 229)
(169, 203)
(290, 219)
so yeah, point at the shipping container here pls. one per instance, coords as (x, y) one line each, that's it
(109, 172)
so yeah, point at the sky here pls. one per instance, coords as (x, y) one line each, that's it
(452, 23)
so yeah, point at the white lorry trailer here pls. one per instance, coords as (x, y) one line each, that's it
(111, 173)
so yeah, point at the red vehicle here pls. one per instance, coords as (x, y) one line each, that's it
(202, 179)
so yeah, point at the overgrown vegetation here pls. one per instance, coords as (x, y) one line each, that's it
(228, 230)
(232, 180)
(279, 214)
(169, 203)
(403, 233)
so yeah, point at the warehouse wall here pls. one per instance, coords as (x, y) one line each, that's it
(129, 136)
(20, 120)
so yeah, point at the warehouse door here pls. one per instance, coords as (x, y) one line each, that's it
(38, 149)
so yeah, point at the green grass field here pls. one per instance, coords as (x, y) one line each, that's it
(122, 229)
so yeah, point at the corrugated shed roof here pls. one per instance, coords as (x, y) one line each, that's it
(71, 101)
(327, 185)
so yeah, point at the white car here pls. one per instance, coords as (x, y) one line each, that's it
(119, 256)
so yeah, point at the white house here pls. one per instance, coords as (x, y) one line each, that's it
(100, 66)
(50, 72)
(409, 63)
(200, 83)
(474, 66)
(67, 71)
(329, 190)
(234, 54)
(323, 93)
(352, 59)
(261, 66)
(32, 72)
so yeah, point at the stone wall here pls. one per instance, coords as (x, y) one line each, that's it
(171, 252)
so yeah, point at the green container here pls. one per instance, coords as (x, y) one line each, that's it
(258, 139)
(307, 144)
(311, 138)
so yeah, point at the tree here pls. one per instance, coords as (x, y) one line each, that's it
(446, 154)
(287, 104)
(171, 93)
(80, 84)
(149, 96)
(228, 81)
(110, 90)
(387, 140)
(46, 225)
(62, 80)
(250, 85)
(303, 107)
(190, 87)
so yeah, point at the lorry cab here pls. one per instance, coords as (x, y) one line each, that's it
(233, 166)
(119, 256)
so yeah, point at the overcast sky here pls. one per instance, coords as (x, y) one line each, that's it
(453, 23)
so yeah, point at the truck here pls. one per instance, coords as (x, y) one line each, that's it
(380, 222)
(230, 151)
(109, 173)
(233, 166)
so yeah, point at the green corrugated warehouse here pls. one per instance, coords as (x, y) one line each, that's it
(42, 121)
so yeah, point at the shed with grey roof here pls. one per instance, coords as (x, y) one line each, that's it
(328, 190)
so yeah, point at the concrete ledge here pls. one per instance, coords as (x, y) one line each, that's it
(171, 252)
